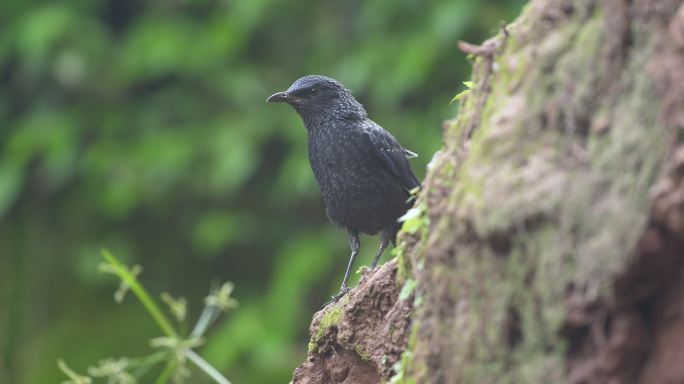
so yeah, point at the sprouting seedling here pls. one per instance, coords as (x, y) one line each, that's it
(172, 349)
(462, 94)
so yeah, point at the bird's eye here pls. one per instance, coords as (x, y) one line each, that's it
(313, 91)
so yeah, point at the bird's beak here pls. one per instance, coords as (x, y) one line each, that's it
(283, 97)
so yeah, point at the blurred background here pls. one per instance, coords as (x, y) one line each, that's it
(141, 127)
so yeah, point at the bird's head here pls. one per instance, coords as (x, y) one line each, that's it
(317, 96)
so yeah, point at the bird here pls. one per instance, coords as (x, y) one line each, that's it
(362, 171)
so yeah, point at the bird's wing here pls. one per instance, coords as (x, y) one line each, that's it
(409, 154)
(392, 156)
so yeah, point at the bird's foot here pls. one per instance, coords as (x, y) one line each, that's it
(335, 298)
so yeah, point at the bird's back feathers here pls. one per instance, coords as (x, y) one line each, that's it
(391, 155)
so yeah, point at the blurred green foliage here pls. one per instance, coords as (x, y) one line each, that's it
(141, 127)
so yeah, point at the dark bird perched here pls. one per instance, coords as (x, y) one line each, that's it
(362, 170)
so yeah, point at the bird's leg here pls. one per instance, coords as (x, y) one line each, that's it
(354, 243)
(385, 237)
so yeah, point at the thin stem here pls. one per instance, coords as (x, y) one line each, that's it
(206, 367)
(167, 372)
(142, 295)
(209, 315)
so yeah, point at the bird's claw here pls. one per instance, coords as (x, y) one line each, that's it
(336, 297)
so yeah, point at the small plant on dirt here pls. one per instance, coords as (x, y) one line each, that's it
(469, 86)
(172, 351)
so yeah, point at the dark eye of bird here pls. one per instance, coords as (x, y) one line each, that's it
(313, 91)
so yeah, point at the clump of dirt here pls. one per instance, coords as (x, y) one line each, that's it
(358, 339)
(336, 365)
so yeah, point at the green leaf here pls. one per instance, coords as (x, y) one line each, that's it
(413, 219)
(407, 289)
(463, 93)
